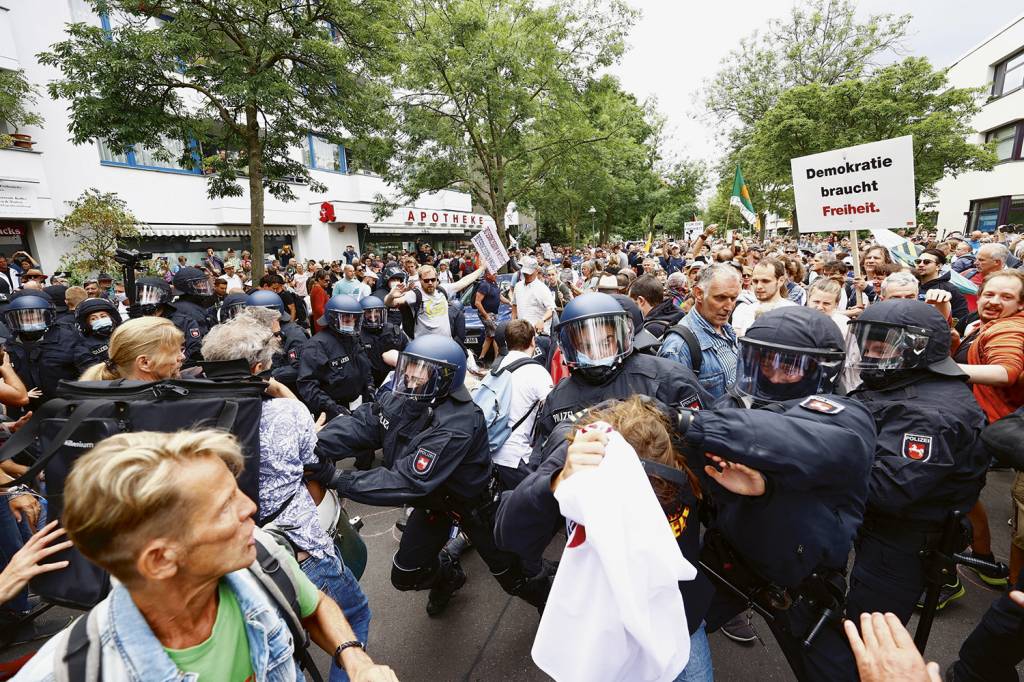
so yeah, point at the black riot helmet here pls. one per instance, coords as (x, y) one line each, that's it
(192, 281)
(232, 305)
(596, 336)
(29, 314)
(101, 327)
(898, 340)
(150, 294)
(789, 352)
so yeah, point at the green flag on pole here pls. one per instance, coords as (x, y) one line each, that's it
(741, 198)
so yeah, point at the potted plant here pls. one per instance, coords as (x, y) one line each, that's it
(17, 96)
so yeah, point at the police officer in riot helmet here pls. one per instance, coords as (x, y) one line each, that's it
(97, 318)
(229, 307)
(381, 339)
(152, 298)
(334, 371)
(436, 459)
(42, 351)
(285, 367)
(392, 277)
(929, 459)
(195, 296)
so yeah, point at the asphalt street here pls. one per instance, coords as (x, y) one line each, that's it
(487, 635)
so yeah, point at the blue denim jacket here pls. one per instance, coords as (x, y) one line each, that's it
(718, 354)
(132, 653)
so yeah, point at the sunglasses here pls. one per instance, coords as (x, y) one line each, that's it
(919, 261)
(428, 279)
(791, 252)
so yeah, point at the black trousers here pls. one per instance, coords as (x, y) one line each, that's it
(995, 647)
(888, 575)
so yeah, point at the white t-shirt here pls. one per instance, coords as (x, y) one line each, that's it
(234, 283)
(745, 315)
(433, 315)
(530, 383)
(533, 301)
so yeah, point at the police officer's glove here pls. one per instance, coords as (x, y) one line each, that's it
(322, 472)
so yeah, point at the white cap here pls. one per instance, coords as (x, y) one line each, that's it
(528, 265)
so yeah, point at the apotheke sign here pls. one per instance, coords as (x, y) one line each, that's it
(419, 216)
(869, 186)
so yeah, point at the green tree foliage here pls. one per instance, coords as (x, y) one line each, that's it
(491, 94)
(246, 79)
(17, 97)
(908, 98)
(96, 224)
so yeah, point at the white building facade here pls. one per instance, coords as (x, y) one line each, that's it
(38, 178)
(983, 201)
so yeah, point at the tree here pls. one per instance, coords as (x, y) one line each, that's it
(908, 98)
(240, 83)
(17, 96)
(97, 223)
(491, 94)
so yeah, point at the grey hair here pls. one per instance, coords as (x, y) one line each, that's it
(997, 251)
(265, 316)
(243, 337)
(716, 270)
(677, 280)
(898, 279)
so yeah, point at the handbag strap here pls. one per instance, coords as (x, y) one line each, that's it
(84, 410)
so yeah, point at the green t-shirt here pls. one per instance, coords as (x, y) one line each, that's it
(225, 654)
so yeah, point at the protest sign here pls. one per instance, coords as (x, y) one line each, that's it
(868, 186)
(490, 248)
(693, 229)
(546, 250)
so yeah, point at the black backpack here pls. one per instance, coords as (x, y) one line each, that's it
(692, 344)
(456, 318)
(65, 428)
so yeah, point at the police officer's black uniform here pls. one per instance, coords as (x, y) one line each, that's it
(189, 312)
(379, 338)
(929, 459)
(93, 345)
(41, 358)
(333, 368)
(286, 363)
(436, 459)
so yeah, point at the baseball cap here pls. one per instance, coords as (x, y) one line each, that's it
(528, 265)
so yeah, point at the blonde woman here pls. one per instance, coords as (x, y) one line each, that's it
(143, 349)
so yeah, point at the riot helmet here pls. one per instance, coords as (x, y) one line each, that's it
(430, 368)
(895, 340)
(265, 298)
(374, 313)
(595, 335)
(343, 314)
(150, 294)
(190, 281)
(97, 317)
(231, 306)
(29, 314)
(790, 352)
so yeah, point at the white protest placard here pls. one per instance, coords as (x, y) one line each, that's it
(546, 250)
(692, 230)
(866, 187)
(490, 248)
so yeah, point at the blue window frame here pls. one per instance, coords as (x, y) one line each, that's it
(139, 157)
(320, 154)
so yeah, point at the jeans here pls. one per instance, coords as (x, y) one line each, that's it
(698, 668)
(337, 581)
(12, 536)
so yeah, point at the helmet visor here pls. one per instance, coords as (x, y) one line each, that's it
(147, 294)
(875, 346)
(200, 287)
(421, 378)
(29, 320)
(373, 318)
(229, 311)
(774, 374)
(344, 323)
(596, 341)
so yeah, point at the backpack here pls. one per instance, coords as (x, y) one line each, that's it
(494, 398)
(277, 583)
(692, 344)
(65, 428)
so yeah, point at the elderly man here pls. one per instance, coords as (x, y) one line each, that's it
(348, 285)
(991, 258)
(706, 328)
(164, 514)
(963, 257)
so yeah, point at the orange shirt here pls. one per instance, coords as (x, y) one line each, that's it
(1000, 342)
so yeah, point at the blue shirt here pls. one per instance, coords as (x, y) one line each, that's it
(492, 296)
(718, 352)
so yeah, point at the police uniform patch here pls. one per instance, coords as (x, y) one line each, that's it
(917, 448)
(292, 355)
(194, 332)
(691, 403)
(338, 362)
(423, 462)
(577, 536)
(819, 403)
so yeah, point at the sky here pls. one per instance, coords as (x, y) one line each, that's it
(677, 45)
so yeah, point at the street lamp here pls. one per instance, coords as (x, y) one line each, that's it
(593, 213)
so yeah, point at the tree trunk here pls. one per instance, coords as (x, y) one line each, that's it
(256, 198)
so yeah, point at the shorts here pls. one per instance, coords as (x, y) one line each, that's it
(489, 327)
(1017, 494)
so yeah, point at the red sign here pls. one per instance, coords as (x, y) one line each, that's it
(444, 217)
(327, 212)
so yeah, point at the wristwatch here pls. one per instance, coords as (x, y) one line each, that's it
(342, 647)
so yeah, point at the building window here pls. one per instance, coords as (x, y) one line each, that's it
(141, 157)
(1009, 75)
(1006, 140)
(323, 155)
(1015, 216)
(985, 214)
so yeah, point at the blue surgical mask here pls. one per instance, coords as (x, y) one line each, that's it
(347, 328)
(101, 324)
(585, 360)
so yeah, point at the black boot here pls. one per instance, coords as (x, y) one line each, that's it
(534, 591)
(450, 579)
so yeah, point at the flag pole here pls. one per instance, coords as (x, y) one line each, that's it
(728, 212)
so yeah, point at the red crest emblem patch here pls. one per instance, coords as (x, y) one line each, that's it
(194, 332)
(578, 536)
(423, 462)
(917, 448)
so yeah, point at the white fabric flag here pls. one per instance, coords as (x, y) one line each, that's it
(615, 611)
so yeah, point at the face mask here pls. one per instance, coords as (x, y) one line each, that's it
(102, 326)
(585, 360)
(347, 328)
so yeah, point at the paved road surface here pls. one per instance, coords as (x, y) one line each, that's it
(486, 635)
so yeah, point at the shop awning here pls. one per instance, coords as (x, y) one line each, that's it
(417, 229)
(194, 230)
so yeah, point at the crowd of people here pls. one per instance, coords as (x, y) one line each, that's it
(813, 428)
